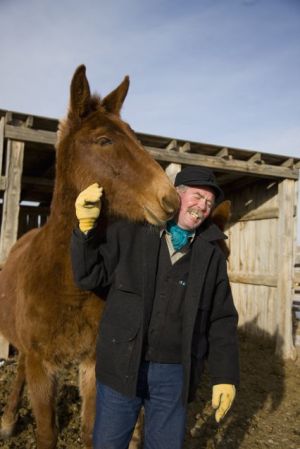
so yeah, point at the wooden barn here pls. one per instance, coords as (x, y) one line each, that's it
(262, 231)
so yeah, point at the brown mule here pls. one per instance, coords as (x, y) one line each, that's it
(42, 313)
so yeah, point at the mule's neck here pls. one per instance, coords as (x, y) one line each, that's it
(62, 211)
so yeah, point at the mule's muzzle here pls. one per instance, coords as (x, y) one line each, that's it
(170, 205)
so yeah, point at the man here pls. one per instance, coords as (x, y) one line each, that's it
(169, 307)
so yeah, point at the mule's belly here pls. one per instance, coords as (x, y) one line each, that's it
(63, 333)
(9, 288)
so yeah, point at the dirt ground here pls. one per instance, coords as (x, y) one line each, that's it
(266, 412)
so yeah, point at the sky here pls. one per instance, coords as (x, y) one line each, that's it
(224, 72)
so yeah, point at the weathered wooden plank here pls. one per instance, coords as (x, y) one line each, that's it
(286, 237)
(2, 182)
(297, 257)
(256, 158)
(172, 170)
(255, 304)
(253, 263)
(11, 198)
(252, 168)
(224, 153)
(2, 124)
(221, 164)
(288, 163)
(297, 278)
(186, 147)
(23, 134)
(258, 214)
(172, 146)
(267, 280)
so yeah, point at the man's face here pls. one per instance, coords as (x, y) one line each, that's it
(196, 203)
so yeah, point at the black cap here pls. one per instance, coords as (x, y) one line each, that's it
(199, 176)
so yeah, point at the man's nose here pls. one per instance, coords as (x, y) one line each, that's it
(202, 203)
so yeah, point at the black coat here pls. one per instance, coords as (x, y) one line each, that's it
(125, 260)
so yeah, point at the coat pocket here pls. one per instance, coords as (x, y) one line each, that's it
(117, 334)
(115, 348)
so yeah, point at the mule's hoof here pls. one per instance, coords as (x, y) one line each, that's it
(135, 444)
(7, 428)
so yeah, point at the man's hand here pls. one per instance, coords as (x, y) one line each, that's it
(222, 399)
(88, 206)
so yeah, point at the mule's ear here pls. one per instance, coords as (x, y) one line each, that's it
(221, 214)
(113, 102)
(80, 94)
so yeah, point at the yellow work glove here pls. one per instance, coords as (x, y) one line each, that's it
(222, 399)
(88, 206)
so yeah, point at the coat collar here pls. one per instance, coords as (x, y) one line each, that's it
(210, 232)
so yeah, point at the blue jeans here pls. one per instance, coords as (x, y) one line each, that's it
(159, 391)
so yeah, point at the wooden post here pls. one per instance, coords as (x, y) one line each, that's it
(286, 244)
(173, 168)
(10, 210)
(2, 121)
(11, 199)
(2, 178)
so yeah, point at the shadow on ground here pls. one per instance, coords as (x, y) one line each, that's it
(262, 388)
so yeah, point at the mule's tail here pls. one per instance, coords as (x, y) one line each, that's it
(10, 414)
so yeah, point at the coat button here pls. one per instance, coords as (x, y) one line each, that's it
(114, 340)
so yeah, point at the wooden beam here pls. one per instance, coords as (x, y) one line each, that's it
(172, 146)
(186, 147)
(251, 167)
(224, 153)
(3, 182)
(288, 163)
(29, 121)
(172, 170)
(238, 166)
(256, 158)
(260, 214)
(296, 280)
(11, 198)
(8, 117)
(268, 280)
(2, 124)
(23, 134)
(285, 293)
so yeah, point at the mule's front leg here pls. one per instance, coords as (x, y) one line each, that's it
(138, 434)
(10, 414)
(87, 384)
(42, 388)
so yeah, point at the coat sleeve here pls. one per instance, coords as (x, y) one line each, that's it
(94, 259)
(223, 352)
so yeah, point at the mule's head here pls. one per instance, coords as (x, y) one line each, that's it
(97, 146)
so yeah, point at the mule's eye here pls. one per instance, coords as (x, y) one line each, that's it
(103, 140)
